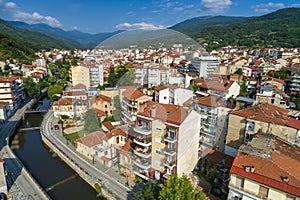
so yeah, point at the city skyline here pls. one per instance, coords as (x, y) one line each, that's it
(106, 16)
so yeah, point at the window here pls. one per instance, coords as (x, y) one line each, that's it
(157, 151)
(263, 191)
(105, 106)
(165, 97)
(157, 139)
(290, 197)
(239, 182)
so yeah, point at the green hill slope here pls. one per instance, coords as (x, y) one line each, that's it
(277, 29)
(38, 40)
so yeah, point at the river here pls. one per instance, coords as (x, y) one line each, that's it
(48, 171)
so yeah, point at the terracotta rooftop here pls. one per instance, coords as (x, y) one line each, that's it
(126, 147)
(168, 112)
(79, 86)
(4, 79)
(74, 93)
(99, 112)
(217, 157)
(92, 139)
(282, 163)
(210, 101)
(103, 97)
(222, 85)
(116, 132)
(63, 102)
(108, 125)
(264, 112)
(133, 94)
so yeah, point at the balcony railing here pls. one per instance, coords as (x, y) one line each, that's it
(168, 163)
(144, 130)
(146, 153)
(142, 142)
(208, 132)
(169, 151)
(209, 122)
(145, 165)
(170, 139)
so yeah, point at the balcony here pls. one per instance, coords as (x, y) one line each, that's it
(206, 141)
(142, 129)
(143, 153)
(169, 138)
(209, 132)
(142, 164)
(209, 122)
(142, 142)
(169, 151)
(168, 163)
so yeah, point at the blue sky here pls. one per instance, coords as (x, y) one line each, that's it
(95, 16)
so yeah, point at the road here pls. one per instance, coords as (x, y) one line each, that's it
(18, 175)
(119, 190)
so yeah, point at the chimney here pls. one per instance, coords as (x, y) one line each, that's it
(153, 111)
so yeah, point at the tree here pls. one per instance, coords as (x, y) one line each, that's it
(117, 108)
(149, 192)
(243, 89)
(53, 90)
(179, 188)
(91, 123)
(31, 87)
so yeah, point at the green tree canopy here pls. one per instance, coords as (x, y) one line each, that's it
(149, 192)
(53, 90)
(31, 87)
(179, 188)
(91, 122)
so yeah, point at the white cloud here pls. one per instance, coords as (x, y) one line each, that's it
(295, 5)
(216, 6)
(16, 13)
(269, 7)
(138, 26)
(10, 5)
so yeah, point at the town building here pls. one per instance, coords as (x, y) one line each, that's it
(205, 65)
(104, 103)
(245, 123)
(213, 124)
(80, 75)
(295, 84)
(11, 91)
(266, 168)
(131, 101)
(165, 140)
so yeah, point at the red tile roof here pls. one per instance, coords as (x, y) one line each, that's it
(264, 112)
(103, 97)
(63, 102)
(132, 94)
(294, 123)
(168, 112)
(116, 132)
(270, 172)
(210, 101)
(108, 125)
(92, 139)
(126, 147)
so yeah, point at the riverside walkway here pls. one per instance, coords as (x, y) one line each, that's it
(21, 185)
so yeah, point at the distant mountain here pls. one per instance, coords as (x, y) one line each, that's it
(277, 29)
(85, 39)
(199, 23)
(37, 40)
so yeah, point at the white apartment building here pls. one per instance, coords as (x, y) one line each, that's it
(295, 84)
(205, 65)
(166, 140)
(213, 125)
(151, 75)
(11, 91)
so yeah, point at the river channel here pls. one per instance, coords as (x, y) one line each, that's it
(58, 178)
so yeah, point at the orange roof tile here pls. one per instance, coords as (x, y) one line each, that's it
(63, 102)
(210, 101)
(103, 97)
(126, 147)
(264, 112)
(108, 125)
(170, 113)
(92, 139)
(132, 94)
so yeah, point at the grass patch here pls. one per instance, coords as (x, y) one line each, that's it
(72, 137)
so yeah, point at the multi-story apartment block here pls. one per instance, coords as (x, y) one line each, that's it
(80, 75)
(295, 84)
(11, 91)
(267, 168)
(245, 123)
(131, 101)
(96, 75)
(104, 103)
(170, 94)
(165, 140)
(151, 75)
(213, 124)
(205, 65)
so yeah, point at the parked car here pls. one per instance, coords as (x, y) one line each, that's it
(56, 127)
